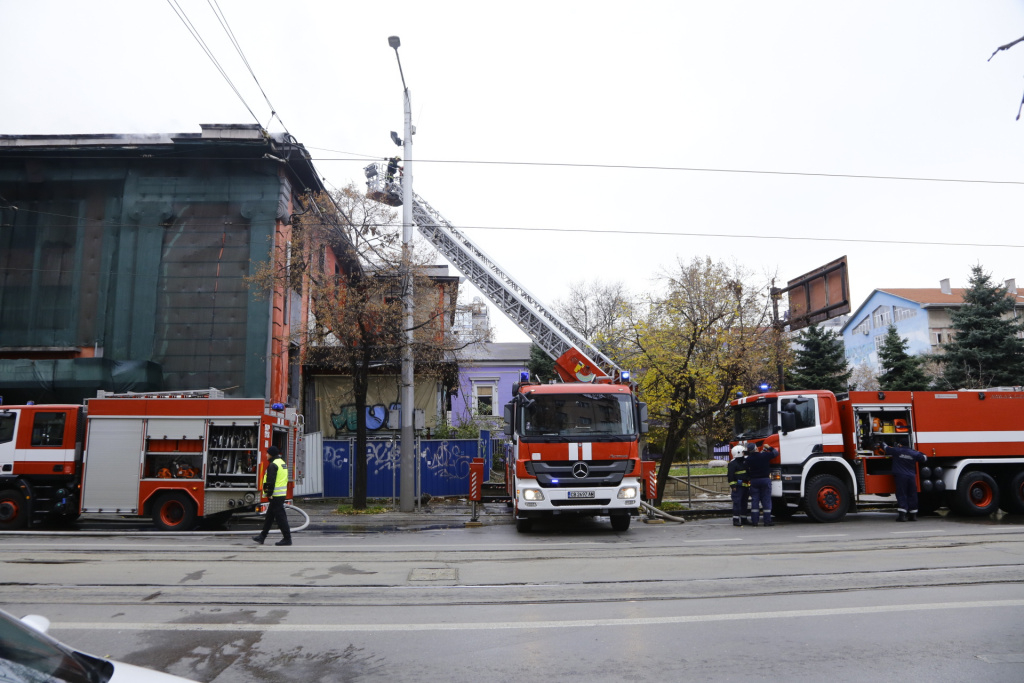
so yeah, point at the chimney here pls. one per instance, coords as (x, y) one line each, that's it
(1011, 286)
(944, 286)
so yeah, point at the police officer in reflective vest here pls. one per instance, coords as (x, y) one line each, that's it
(904, 472)
(275, 487)
(739, 487)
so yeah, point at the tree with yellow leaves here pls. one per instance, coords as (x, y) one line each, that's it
(693, 346)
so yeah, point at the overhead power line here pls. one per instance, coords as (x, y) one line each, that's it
(209, 53)
(587, 231)
(219, 13)
(693, 169)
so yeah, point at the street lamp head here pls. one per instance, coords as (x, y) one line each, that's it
(394, 42)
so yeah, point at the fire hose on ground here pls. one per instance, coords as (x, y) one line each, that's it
(651, 510)
(302, 512)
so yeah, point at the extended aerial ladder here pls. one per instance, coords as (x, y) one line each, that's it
(576, 360)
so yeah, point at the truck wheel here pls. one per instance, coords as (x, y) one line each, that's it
(976, 495)
(1012, 495)
(523, 524)
(620, 522)
(13, 510)
(827, 498)
(174, 512)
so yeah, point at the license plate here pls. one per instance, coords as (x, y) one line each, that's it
(581, 494)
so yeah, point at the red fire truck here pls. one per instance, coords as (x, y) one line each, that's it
(827, 467)
(176, 457)
(574, 449)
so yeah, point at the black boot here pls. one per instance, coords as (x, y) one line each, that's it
(259, 539)
(901, 516)
(736, 521)
(912, 516)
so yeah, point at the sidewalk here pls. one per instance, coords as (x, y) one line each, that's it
(439, 514)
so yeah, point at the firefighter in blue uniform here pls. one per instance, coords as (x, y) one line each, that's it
(759, 468)
(739, 487)
(904, 471)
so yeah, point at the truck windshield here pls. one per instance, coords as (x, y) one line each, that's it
(578, 415)
(752, 421)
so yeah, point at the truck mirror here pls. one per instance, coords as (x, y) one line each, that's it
(788, 421)
(509, 415)
(643, 417)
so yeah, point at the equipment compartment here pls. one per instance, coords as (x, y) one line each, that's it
(233, 456)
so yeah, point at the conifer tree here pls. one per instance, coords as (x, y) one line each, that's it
(901, 371)
(820, 362)
(985, 351)
(541, 366)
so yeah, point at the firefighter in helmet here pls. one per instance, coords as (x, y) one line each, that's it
(275, 488)
(739, 486)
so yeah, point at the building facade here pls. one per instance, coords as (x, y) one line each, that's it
(125, 263)
(486, 375)
(921, 316)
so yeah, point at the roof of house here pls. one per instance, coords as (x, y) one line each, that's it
(928, 296)
(244, 140)
(494, 352)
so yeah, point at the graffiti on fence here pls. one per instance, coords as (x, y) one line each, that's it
(382, 456)
(445, 459)
(346, 419)
(336, 455)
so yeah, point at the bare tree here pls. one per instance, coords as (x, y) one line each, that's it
(598, 310)
(345, 256)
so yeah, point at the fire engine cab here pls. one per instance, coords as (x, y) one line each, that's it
(827, 463)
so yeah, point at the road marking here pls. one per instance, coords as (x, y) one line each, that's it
(823, 536)
(507, 625)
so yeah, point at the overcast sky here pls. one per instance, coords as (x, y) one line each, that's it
(750, 109)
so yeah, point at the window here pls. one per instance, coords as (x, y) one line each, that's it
(578, 415)
(48, 429)
(863, 327)
(803, 408)
(904, 313)
(881, 317)
(7, 427)
(483, 399)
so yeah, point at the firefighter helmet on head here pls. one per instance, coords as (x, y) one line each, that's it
(737, 451)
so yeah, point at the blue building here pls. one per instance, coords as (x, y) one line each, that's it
(921, 316)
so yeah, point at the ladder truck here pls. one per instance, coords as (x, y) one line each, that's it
(177, 458)
(575, 446)
(827, 465)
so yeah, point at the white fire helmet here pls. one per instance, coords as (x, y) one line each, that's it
(737, 451)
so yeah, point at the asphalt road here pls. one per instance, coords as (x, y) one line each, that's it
(941, 599)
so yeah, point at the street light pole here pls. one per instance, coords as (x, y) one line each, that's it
(407, 481)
